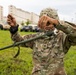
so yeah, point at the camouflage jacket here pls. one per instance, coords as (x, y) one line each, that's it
(48, 52)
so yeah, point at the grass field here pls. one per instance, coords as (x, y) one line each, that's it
(22, 65)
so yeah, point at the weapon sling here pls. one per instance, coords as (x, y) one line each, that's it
(25, 41)
(49, 33)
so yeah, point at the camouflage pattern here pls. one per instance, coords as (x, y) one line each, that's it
(50, 12)
(49, 51)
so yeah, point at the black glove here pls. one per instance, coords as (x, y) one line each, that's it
(13, 29)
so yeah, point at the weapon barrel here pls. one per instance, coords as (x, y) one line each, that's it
(25, 41)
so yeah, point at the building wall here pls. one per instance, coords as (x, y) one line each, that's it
(22, 15)
(1, 13)
(34, 18)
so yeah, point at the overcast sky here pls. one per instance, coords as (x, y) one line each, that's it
(66, 8)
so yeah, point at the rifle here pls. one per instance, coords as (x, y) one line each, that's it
(49, 33)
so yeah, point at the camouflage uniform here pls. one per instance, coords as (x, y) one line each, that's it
(49, 51)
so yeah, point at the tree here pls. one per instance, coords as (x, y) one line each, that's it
(22, 23)
(28, 22)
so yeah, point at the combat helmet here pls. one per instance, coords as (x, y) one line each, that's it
(49, 12)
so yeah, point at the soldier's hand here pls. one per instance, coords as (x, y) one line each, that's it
(11, 20)
(47, 22)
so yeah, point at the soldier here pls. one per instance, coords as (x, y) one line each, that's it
(48, 51)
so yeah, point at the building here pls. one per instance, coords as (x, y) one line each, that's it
(34, 18)
(1, 13)
(23, 16)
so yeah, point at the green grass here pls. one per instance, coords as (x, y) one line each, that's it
(70, 61)
(22, 65)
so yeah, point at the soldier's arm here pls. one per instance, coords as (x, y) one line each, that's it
(64, 26)
(67, 28)
(16, 37)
